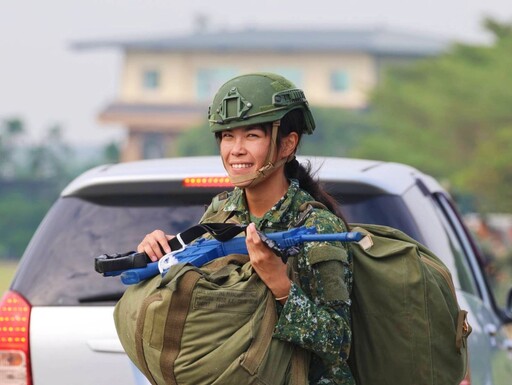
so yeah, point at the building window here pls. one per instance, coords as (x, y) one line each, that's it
(292, 74)
(209, 81)
(339, 81)
(151, 79)
(153, 145)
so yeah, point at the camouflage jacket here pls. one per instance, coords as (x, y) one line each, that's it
(316, 315)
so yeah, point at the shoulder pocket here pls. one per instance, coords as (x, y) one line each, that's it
(324, 253)
(331, 263)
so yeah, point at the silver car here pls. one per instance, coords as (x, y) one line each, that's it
(56, 320)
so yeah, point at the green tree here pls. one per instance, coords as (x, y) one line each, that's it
(490, 172)
(337, 131)
(31, 177)
(51, 158)
(20, 215)
(197, 141)
(111, 153)
(449, 116)
(11, 130)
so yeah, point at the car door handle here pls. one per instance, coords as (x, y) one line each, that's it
(111, 345)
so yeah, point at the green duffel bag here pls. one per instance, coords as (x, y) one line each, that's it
(407, 325)
(205, 326)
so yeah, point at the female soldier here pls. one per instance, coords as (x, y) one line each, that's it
(258, 120)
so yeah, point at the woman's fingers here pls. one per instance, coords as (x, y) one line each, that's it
(258, 251)
(269, 267)
(155, 245)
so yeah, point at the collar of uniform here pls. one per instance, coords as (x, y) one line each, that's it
(282, 206)
(236, 203)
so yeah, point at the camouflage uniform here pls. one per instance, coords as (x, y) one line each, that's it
(316, 315)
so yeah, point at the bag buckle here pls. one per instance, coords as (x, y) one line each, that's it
(169, 259)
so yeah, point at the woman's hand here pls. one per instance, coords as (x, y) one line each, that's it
(155, 245)
(269, 267)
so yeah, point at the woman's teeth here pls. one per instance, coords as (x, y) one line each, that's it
(241, 165)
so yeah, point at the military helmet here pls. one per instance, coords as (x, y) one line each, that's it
(256, 99)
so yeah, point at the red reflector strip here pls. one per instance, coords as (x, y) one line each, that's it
(208, 181)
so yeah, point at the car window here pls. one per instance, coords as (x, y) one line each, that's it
(58, 265)
(463, 269)
(440, 237)
(470, 264)
(416, 215)
(388, 210)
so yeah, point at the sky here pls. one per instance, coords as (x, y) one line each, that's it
(44, 82)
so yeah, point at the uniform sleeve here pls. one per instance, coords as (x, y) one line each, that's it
(317, 316)
(323, 330)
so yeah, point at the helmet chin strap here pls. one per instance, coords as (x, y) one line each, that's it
(268, 168)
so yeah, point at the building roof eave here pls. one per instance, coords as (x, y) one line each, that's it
(373, 41)
(145, 116)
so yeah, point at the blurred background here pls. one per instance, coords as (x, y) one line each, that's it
(88, 82)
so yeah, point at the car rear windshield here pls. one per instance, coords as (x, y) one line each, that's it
(58, 266)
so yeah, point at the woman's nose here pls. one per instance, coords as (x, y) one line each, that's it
(238, 146)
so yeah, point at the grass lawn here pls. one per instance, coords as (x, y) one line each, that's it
(7, 269)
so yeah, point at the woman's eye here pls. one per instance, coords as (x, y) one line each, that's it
(254, 134)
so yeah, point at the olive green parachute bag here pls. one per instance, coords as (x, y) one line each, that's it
(206, 326)
(407, 325)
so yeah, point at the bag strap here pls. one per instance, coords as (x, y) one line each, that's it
(299, 366)
(220, 231)
(259, 345)
(139, 347)
(175, 323)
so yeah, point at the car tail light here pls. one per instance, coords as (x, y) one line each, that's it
(14, 344)
(207, 181)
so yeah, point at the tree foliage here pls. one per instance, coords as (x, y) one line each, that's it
(31, 177)
(337, 131)
(20, 214)
(50, 158)
(10, 132)
(450, 116)
(197, 141)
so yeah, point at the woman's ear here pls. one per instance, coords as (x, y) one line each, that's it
(289, 144)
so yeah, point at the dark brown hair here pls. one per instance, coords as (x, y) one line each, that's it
(293, 121)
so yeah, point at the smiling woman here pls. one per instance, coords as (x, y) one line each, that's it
(245, 151)
(258, 120)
